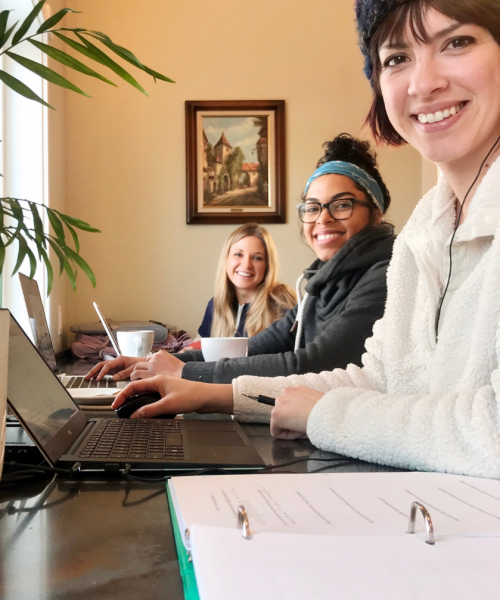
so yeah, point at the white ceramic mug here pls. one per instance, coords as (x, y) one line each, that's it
(230, 347)
(135, 343)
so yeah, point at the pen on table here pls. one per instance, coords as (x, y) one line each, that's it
(262, 399)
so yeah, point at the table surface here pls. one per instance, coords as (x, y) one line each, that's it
(104, 537)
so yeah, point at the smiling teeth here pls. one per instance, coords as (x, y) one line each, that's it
(327, 236)
(440, 114)
(243, 274)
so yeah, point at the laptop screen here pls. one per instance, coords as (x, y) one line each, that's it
(33, 390)
(38, 321)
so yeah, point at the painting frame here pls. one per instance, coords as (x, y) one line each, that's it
(265, 183)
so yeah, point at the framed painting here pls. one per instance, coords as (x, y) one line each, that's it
(235, 161)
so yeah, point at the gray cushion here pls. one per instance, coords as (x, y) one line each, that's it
(96, 328)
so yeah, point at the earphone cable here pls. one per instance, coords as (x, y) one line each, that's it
(438, 312)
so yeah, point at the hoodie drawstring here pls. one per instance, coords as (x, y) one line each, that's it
(301, 304)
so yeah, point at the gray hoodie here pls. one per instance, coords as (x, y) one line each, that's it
(344, 298)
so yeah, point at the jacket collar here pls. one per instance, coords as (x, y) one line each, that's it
(432, 222)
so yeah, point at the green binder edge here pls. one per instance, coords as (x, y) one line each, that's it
(186, 567)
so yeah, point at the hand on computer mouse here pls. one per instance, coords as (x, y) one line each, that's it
(133, 403)
(178, 396)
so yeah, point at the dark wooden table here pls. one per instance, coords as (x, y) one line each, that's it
(102, 537)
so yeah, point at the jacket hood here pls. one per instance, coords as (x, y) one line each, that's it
(365, 249)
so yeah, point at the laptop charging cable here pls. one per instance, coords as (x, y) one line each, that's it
(127, 472)
(15, 472)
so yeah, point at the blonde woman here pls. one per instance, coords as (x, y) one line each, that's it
(248, 297)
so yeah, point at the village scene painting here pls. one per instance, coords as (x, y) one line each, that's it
(235, 161)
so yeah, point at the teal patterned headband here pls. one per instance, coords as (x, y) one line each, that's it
(361, 177)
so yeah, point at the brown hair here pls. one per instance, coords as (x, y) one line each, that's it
(485, 13)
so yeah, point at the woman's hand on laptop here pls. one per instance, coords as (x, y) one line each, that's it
(178, 396)
(159, 363)
(124, 365)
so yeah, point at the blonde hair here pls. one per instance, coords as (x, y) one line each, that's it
(271, 299)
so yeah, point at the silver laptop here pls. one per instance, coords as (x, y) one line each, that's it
(65, 435)
(84, 392)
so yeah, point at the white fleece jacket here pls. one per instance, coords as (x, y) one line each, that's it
(420, 403)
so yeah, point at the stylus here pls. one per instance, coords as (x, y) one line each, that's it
(262, 399)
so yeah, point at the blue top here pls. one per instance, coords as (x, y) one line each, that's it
(206, 325)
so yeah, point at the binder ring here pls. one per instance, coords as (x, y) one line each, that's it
(428, 522)
(243, 522)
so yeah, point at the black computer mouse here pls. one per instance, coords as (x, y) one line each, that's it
(133, 403)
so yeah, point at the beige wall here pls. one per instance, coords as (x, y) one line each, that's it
(124, 152)
(57, 181)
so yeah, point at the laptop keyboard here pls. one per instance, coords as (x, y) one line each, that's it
(122, 439)
(79, 381)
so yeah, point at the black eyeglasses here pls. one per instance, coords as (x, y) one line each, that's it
(339, 210)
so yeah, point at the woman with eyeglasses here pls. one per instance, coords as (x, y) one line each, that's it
(341, 217)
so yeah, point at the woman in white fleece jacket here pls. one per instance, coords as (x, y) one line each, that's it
(427, 396)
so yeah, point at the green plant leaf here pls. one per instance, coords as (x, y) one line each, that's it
(18, 216)
(74, 235)
(32, 258)
(57, 225)
(69, 61)
(77, 223)
(82, 264)
(45, 73)
(50, 273)
(4, 17)
(54, 19)
(2, 254)
(23, 249)
(104, 59)
(67, 267)
(26, 24)
(38, 225)
(59, 254)
(127, 55)
(20, 88)
(92, 52)
(6, 36)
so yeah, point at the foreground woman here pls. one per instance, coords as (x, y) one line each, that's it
(427, 396)
(346, 286)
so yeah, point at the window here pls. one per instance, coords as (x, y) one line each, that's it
(23, 154)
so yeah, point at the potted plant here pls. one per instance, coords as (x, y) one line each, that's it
(20, 219)
(25, 224)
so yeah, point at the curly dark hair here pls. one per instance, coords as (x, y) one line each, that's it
(358, 152)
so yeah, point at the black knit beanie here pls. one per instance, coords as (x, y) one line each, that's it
(369, 15)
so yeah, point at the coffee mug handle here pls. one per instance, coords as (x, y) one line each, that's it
(138, 345)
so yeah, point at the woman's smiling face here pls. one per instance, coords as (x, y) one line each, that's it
(246, 263)
(327, 235)
(443, 97)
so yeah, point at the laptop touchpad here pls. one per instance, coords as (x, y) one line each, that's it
(212, 438)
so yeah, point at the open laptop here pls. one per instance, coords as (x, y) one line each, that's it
(83, 392)
(65, 435)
